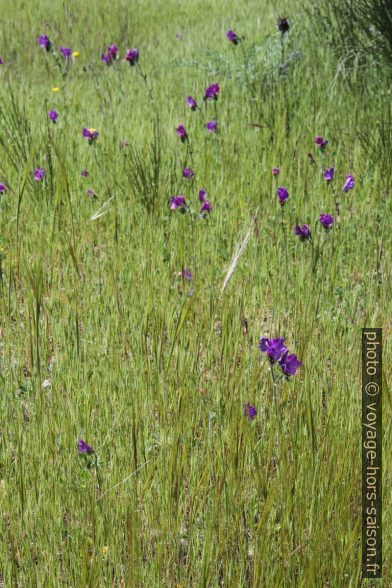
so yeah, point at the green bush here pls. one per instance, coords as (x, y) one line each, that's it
(357, 26)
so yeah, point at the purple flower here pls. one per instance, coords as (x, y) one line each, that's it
(232, 37)
(202, 195)
(3, 188)
(263, 344)
(326, 220)
(211, 93)
(188, 173)
(84, 447)
(328, 174)
(53, 115)
(206, 206)
(283, 25)
(320, 142)
(66, 52)
(132, 56)
(303, 231)
(177, 202)
(44, 42)
(282, 195)
(90, 193)
(90, 134)
(212, 126)
(277, 352)
(349, 183)
(191, 102)
(274, 348)
(181, 132)
(113, 50)
(1, 61)
(110, 55)
(275, 171)
(186, 274)
(39, 173)
(289, 364)
(84, 173)
(250, 411)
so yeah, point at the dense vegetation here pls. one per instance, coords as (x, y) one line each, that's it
(146, 439)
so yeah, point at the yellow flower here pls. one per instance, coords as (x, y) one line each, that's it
(104, 550)
(56, 89)
(75, 53)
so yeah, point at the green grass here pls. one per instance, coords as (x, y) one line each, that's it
(152, 371)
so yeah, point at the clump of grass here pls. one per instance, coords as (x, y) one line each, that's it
(15, 133)
(355, 27)
(148, 168)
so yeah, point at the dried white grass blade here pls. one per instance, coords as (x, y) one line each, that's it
(124, 480)
(239, 251)
(101, 211)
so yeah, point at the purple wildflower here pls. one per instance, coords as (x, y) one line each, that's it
(328, 174)
(277, 352)
(90, 134)
(84, 173)
(186, 274)
(191, 102)
(177, 202)
(53, 115)
(181, 132)
(232, 37)
(289, 364)
(274, 348)
(1, 61)
(44, 42)
(212, 126)
(110, 55)
(39, 173)
(132, 56)
(263, 344)
(326, 220)
(3, 188)
(283, 25)
(66, 52)
(282, 195)
(349, 183)
(113, 49)
(303, 232)
(202, 195)
(84, 447)
(275, 171)
(250, 411)
(90, 193)
(206, 206)
(188, 173)
(211, 93)
(320, 142)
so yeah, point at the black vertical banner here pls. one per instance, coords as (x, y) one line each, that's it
(371, 453)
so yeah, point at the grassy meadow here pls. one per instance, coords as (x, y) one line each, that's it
(104, 338)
